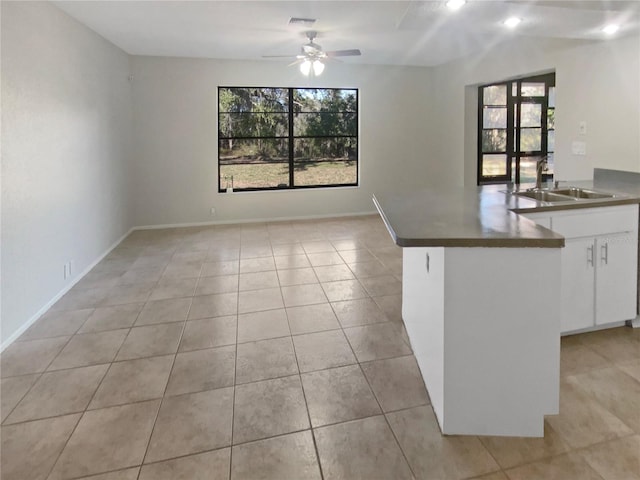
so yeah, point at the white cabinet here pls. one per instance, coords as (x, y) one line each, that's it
(599, 265)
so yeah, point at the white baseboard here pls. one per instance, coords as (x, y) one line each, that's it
(254, 220)
(14, 336)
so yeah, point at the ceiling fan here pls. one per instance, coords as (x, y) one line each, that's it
(312, 56)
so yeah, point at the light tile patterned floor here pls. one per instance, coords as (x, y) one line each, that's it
(276, 351)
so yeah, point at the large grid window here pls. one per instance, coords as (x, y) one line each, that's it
(516, 127)
(281, 138)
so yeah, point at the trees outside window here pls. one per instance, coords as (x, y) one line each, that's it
(516, 127)
(281, 138)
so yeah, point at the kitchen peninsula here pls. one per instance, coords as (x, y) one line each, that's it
(482, 302)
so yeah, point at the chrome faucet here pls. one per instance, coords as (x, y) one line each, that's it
(541, 166)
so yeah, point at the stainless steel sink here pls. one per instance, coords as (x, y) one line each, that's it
(582, 193)
(546, 196)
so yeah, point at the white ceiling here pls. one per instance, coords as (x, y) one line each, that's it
(387, 32)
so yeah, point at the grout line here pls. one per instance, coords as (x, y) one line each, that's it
(235, 375)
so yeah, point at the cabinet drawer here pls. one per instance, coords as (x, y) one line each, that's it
(596, 221)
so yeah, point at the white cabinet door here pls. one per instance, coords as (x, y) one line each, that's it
(578, 284)
(616, 279)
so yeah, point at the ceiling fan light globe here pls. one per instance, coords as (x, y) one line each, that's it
(318, 67)
(305, 68)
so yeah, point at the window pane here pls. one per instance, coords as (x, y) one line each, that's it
(531, 115)
(325, 100)
(325, 124)
(253, 99)
(494, 165)
(495, 95)
(550, 164)
(514, 89)
(532, 89)
(494, 117)
(528, 169)
(494, 140)
(530, 139)
(551, 140)
(254, 163)
(324, 172)
(249, 124)
(321, 149)
(552, 97)
(551, 118)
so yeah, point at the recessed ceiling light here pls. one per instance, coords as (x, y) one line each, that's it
(611, 29)
(512, 22)
(455, 4)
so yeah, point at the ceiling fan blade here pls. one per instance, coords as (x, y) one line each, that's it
(278, 56)
(296, 62)
(344, 53)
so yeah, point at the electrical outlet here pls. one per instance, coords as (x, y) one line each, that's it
(212, 212)
(66, 271)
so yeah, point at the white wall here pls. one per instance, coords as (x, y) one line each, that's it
(175, 126)
(598, 83)
(66, 122)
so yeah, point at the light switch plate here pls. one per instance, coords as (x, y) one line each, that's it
(579, 148)
(582, 127)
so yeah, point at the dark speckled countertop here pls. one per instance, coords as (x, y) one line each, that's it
(484, 216)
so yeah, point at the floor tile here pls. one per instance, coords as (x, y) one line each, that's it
(297, 276)
(614, 390)
(396, 382)
(318, 246)
(34, 356)
(362, 449)
(164, 311)
(208, 333)
(298, 295)
(107, 439)
(375, 342)
(332, 273)
(259, 300)
(337, 395)
(226, 267)
(292, 261)
(561, 467)
(141, 275)
(262, 264)
(262, 325)
(258, 280)
(615, 460)
(347, 244)
(219, 305)
(151, 340)
(121, 294)
(178, 269)
(578, 358)
(316, 351)
(391, 305)
(381, 285)
(363, 311)
(265, 359)
(268, 408)
(356, 256)
(583, 421)
(615, 344)
(287, 249)
(126, 474)
(512, 451)
(432, 455)
(312, 318)
(256, 251)
(632, 369)
(212, 465)
(343, 290)
(133, 381)
(324, 258)
(368, 269)
(12, 389)
(185, 424)
(219, 284)
(56, 324)
(99, 280)
(174, 288)
(500, 475)
(286, 457)
(59, 393)
(112, 318)
(202, 370)
(30, 449)
(90, 349)
(78, 299)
